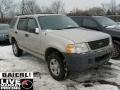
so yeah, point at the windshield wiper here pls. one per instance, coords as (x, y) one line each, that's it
(70, 27)
(64, 28)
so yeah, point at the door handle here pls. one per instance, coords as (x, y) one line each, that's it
(26, 35)
(16, 32)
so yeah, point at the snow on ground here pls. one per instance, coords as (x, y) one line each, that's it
(104, 78)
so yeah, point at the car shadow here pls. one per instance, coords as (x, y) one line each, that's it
(87, 78)
(102, 75)
(104, 72)
(4, 44)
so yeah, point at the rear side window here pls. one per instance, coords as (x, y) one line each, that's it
(89, 23)
(22, 24)
(78, 20)
(13, 22)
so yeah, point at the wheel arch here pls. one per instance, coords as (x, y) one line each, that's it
(12, 39)
(51, 50)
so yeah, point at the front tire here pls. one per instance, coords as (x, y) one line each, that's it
(116, 51)
(57, 67)
(16, 50)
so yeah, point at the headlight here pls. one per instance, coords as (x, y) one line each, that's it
(70, 48)
(81, 48)
(78, 48)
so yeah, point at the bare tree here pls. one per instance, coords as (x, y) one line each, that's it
(57, 7)
(113, 6)
(5, 6)
(96, 11)
(23, 6)
(76, 12)
(47, 10)
(91, 11)
(104, 7)
(30, 7)
(118, 9)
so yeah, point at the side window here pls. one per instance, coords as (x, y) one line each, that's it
(78, 20)
(22, 24)
(13, 22)
(90, 24)
(32, 25)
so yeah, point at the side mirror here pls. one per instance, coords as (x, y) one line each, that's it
(37, 31)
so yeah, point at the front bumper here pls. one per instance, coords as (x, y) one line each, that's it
(80, 62)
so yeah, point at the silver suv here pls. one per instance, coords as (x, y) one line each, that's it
(61, 42)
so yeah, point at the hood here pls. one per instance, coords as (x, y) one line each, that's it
(79, 34)
(114, 28)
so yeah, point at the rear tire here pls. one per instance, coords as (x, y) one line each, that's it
(116, 51)
(57, 67)
(16, 50)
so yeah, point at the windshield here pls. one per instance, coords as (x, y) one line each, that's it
(4, 27)
(104, 21)
(56, 22)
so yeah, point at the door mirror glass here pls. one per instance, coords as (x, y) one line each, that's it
(37, 30)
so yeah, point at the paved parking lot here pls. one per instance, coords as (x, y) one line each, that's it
(104, 78)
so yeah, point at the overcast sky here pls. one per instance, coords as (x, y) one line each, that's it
(82, 4)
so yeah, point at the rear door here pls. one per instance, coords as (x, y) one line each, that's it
(22, 32)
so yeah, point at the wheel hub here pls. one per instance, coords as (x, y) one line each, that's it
(55, 67)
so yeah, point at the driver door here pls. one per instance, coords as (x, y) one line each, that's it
(33, 40)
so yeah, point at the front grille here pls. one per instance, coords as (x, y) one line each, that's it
(99, 44)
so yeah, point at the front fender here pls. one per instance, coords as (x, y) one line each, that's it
(59, 47)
